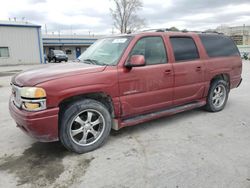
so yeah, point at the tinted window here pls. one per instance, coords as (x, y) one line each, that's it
(184, 48)
(218, 45)
(153, 50)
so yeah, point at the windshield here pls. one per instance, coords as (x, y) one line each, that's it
(105, 51)
(58, 52)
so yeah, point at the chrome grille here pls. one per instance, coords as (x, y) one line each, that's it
(16, 95)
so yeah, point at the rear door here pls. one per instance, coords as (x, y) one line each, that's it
(188, 70)
(148, 88)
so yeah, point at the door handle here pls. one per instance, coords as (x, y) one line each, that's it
(198, 68)
(167, 71)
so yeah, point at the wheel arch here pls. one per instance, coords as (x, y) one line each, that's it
(102, 97)
(222, 76)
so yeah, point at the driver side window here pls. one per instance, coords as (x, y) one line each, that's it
(152, 48)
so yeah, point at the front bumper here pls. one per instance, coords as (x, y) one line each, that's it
(41, 125)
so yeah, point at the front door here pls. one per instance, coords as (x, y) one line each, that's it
(78, 52)
(148, 88)
(188, 70)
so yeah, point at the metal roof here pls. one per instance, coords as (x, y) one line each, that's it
(18, 24)
(68, 40)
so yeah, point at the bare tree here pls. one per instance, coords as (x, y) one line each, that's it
(125, 15)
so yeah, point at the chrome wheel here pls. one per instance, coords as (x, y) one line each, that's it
(219, 96)
(87, 127)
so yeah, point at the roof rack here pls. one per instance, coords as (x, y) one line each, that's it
(168, 29)
(212, 32)
(156, 30)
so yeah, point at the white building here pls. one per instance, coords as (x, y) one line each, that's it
(20, 43)
(240, 34)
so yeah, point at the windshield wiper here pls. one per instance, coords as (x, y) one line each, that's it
(92, 61)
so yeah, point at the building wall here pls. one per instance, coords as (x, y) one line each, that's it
(240, 34)
(24, 43)
(70, 44)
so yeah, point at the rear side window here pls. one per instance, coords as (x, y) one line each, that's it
(219, 46)
(184, 48)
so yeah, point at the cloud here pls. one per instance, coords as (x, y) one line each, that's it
(81, 16)
(197, 14)
(37, 1)
(30, 15)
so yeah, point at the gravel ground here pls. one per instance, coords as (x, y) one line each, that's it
(190, 149)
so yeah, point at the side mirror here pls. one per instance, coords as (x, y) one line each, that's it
(136, 61)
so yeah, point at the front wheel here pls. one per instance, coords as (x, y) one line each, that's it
(85, 126)
(217, 96)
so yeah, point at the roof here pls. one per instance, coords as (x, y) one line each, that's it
(18, 24)
(68, 40)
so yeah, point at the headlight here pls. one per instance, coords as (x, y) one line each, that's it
(33, 98)
(33, 92)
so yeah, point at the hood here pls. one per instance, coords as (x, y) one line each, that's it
(36, 76)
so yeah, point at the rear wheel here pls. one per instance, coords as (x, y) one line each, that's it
(85, 126)
(217, 96)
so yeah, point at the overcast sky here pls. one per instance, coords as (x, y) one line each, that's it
(82, 16)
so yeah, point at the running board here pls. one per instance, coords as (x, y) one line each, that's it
(161, 113)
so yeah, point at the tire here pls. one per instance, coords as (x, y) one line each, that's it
(217, 98)
(54, 59)
(49, 60)
(77, 131)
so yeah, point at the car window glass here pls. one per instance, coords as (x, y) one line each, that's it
(152, 48)
(219, 45)
(184, 48)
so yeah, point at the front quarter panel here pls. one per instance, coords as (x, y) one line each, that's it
(60, 89)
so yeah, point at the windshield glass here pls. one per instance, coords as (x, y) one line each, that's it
(58, 52)
(105, 51)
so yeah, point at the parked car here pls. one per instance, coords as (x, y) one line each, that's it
(57, 56)
(123, 81)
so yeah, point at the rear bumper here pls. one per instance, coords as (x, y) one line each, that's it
(62, 58)
(42, 125)
(239, 83)
(234, 83)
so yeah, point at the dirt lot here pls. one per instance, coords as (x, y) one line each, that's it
(191, 149)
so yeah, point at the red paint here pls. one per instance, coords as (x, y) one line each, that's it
(134, 91)
(136, 61)
(41, 125)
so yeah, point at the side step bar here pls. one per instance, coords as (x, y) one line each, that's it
(166, 112)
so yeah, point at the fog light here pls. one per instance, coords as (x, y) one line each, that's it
(31, 106)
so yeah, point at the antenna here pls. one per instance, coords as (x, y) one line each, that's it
(45, 26)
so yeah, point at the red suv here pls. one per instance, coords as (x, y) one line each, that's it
(122, 81)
